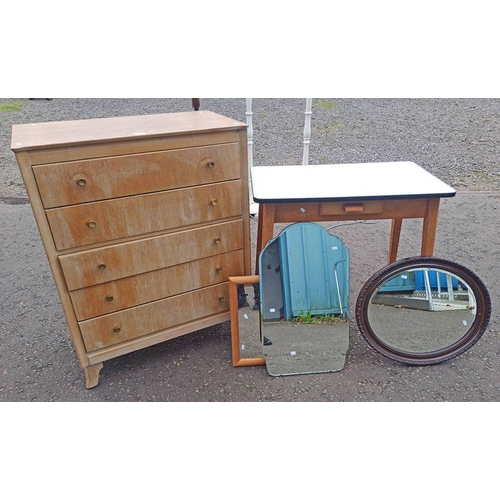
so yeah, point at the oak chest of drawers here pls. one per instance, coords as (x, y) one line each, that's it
(143, 219)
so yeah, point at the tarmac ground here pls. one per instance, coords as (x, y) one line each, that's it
(38, 362)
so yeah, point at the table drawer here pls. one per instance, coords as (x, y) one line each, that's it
(351, 208)
(100, 265)
(132, 291)
(142, 320)
(91, 223)
(82, 181)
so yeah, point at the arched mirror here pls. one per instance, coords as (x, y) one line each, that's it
(423, 310)
(304, 301)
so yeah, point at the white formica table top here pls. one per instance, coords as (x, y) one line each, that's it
(354, 181)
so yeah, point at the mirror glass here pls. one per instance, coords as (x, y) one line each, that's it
(249, 322)
(246, 342)
(304, 294)
(423, 310)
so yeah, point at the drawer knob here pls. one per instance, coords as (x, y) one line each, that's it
(92, 224)
(102, 267)
(81, 182)
(109, 298)
(211, 164)
(218, 269)
(217, 241)
(221, 298)
(117, 329)
(214, 202)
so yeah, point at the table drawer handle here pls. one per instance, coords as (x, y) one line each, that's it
(211, 164)
(117, 329)
(92, 224)
(214, 202)
(354, 207)
(81, 182)
(102, 267)
(218, 269)
(109, 298)
(217, 240)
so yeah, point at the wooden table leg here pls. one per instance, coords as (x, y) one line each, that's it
(265, 229)
(394, 241)
(429, 228)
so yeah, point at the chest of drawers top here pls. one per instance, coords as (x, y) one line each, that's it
(65, 134)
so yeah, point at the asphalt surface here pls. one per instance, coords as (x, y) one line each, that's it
(38, 362)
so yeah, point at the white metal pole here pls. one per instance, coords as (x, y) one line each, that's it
(254, 207)
(249, 115)
(307, 131)
(428, 291)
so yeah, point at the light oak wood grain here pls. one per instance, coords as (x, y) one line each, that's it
(143, 219)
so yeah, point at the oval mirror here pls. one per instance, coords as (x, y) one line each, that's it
(423, 310)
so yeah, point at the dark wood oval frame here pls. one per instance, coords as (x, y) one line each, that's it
(483, 310)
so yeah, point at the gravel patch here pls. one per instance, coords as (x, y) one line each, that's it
(458, 140)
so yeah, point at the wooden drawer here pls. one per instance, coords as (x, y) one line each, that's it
(338, 210)
(142, 320)
(351, 208)
(90, 223)
(73, 182)
(90, 267)
(147, 287)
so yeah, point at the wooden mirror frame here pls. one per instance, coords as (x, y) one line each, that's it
(234, 281)
(474, 284)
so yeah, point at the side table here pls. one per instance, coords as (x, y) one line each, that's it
(316, 193)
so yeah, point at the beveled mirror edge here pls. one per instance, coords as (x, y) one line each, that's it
(234, 281)
(477, 286)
